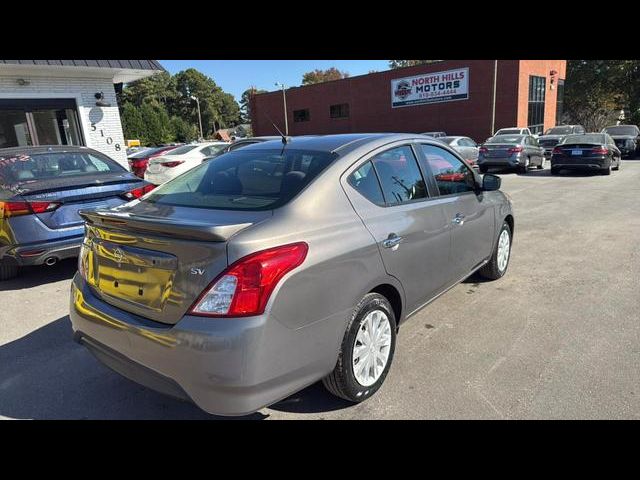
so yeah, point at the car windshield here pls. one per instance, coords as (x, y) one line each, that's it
(244, 180)
(182, 150)
(53, 165)
(559, 131)
(596, 138)
(511, 139)
(622, 130)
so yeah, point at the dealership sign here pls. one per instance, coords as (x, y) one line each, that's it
(430, 88)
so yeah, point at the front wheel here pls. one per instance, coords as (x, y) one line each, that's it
(499, 261)
(366, 352)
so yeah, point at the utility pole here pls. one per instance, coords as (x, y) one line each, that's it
(193, 97)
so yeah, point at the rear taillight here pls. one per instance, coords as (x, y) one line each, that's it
(172, 164)
(516, 149)
(138, 192)
(600, 151)
(15, 209)
(244, 288)
(557, 151)
(138, 163)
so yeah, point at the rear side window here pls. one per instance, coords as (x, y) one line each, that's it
(53, 165)
(244, 180)
(451, 175)
(399, 175)
(365, 181)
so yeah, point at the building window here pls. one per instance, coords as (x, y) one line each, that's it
(339, 111)
(560, 103)
(301, 115)
(537, 90)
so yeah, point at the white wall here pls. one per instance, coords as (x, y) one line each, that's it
(106, 119)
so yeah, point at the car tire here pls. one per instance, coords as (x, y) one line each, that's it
(483, 169)
(8, 271)
(344, 382)
(617, 167)
(606, 171)
(555, 171)
(498, 264)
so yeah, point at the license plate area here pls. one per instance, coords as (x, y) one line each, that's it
(139, 276)
(576, 152)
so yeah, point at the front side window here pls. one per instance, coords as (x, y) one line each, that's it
(245, 179)
(399, 175)
(365, 181)
(451, 175)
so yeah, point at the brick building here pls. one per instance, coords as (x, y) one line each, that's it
(66, 102)
(455, 96)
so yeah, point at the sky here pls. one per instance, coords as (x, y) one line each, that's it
(235, 76)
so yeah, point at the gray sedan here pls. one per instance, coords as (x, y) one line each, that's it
(511, 151)
(283, 263)
(465, 146)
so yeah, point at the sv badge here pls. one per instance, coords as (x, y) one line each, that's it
(197, 271)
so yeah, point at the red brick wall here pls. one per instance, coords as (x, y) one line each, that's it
(540, 68)
(369, 99)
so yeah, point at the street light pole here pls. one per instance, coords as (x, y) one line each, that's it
(193, 97)
(493, 109)
(284, 100)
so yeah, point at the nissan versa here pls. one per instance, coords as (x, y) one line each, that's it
(276, 265)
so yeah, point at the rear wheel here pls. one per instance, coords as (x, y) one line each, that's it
(606, 171)
(541, 166)
(499, 261)
(8, 271)
(617, 167)
(366, 352)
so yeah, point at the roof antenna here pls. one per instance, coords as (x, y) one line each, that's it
(285, 139)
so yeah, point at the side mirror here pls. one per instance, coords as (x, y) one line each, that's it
(490, 182)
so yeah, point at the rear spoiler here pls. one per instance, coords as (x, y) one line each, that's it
(154, 225)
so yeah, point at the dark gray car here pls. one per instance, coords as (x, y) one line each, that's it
(274, 266)
(554, 135)
(511, 151)
(626, 137)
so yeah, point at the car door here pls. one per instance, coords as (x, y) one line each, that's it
(409, 225)
(469, 213)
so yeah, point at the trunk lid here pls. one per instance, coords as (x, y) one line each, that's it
(498, 150)
(77, 194)
(155, 260)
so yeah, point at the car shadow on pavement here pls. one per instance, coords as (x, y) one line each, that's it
(46, 375)
(38, 275)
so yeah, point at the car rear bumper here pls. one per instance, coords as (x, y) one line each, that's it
(39, 253)
(225, 366)
(500, 162)
(580, 163)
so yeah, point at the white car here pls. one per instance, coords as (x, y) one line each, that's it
(513, 131)
(177, 161)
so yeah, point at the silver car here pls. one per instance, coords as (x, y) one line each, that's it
(465, 146)
(518, 152)
(280, 264)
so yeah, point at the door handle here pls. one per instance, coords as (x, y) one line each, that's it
(458, 219)
(392, 241)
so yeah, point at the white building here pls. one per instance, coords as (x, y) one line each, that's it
(66, 102)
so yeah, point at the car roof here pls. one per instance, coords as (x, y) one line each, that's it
(341, 143)
(34, 150)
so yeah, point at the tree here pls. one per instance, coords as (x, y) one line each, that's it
(245, 99)
(158, 125)
(409, 63)
(319, 76)
(183, 131)
(133, 125)
(596, 91)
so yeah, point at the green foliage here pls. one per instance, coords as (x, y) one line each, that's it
(596, 91)
(409, 63)
(168, 113)
(245, 108)
(319, 76)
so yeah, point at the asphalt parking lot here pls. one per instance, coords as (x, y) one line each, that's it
(557, 337)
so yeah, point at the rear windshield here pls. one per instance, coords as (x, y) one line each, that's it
(559, 131)
(509, 131)
(244, 180)
(515, 139)
(181, 150)
(146, 152)
(53, 165)
(622, 130)
(588, 138)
